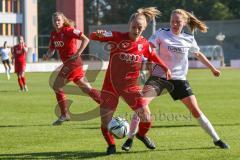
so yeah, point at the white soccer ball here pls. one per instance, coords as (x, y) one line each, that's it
(118, 127)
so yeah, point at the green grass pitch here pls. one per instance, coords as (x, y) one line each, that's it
(26, 131)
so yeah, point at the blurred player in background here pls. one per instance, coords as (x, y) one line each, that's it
(19, 60)
(5, 54)
(174, 47)
(121, 79)
(63, 39)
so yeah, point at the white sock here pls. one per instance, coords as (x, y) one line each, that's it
(133, 126)
(207, 126)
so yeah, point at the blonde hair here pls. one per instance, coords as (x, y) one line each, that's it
(66, 21)
(192, 21)
(149, 13)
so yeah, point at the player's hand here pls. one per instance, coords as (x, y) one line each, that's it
(168, 74)
(100, 33)
(216, 72)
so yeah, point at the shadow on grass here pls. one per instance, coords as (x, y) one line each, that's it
(8, 91)
(194, 125)
(86, 154)
(17, 126)
(92, 128)
(48, 125)
(187, 149)
(167, 150)
(96, 127)
(54, 155)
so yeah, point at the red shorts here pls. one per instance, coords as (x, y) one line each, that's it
(131, 95)
(72, 70)
(20, 67)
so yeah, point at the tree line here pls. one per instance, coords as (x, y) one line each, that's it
(99, 12)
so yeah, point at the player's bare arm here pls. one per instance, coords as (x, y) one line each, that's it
(84, 44)
(201, 57)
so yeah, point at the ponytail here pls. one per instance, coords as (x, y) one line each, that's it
(192, 21)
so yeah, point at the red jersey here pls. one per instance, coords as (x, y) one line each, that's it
(64, 42)
(19, 54)
(126, 58)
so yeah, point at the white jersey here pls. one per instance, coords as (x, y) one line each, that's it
(5, 52)
(173, 50)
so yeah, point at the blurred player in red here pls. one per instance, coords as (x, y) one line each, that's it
(121, 79)
(19, 60)
(63, 39)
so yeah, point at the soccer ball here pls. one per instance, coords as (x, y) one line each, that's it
(118, 127)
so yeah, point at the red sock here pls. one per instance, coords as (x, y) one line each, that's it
(23, 80)
(20, 83)
(61, 102)
(95, 95)
(108, 137)
(143, 128)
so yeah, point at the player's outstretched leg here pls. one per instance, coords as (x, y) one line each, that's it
(191, 103)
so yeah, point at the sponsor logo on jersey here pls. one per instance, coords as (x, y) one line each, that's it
(58, 43)
(177, 49)
(130, 58)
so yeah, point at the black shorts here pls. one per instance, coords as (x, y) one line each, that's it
(6, 61)
(178, 89)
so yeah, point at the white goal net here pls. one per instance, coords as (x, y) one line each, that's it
(212, 52)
